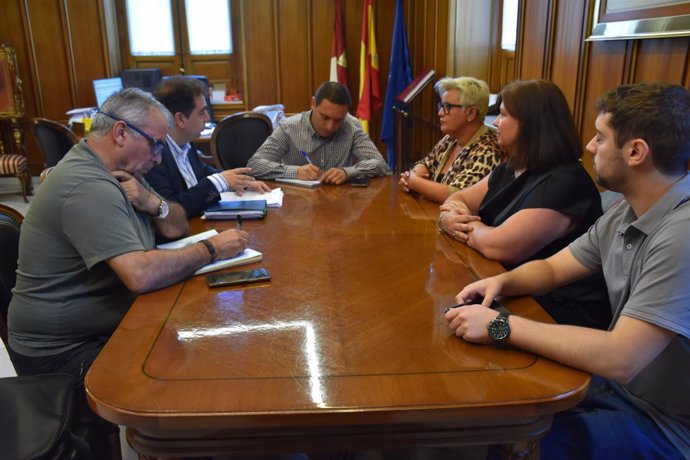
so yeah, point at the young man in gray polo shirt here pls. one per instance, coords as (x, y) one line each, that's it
(638, 404)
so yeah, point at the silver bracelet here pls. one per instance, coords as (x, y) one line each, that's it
(440, 218)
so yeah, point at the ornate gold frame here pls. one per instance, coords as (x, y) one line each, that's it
(11, 98)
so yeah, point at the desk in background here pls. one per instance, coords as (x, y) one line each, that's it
(344, 349)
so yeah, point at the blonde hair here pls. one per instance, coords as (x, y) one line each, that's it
(472, 92)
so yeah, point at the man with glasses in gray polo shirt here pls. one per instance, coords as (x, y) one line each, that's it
(87, 249)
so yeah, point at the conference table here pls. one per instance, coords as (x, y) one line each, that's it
(344, 349)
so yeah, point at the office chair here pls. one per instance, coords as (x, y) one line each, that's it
(237, 137)
(35, 410)
(10, 223)
(53, 139)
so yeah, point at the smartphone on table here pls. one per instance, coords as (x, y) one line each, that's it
(241, 277)
(359, 181)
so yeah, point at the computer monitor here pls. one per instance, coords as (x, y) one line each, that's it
(105, 87)
(145, 79)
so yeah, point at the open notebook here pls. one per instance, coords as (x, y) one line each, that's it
(247, 257)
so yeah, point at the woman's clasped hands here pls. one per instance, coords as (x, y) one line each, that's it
(456, 220)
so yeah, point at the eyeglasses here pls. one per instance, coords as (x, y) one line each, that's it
(446, 106)
(156, 144)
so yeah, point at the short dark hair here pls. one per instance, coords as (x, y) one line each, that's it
(547, 135)
(334, 92)
(659, 113)
(179, 93)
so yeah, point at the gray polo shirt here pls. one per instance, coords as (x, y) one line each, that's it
(66, 294)
(646, 264)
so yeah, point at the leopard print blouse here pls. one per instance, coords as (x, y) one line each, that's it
(473, 163)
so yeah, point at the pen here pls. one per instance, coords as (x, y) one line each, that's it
(306, 157)
(239, 222)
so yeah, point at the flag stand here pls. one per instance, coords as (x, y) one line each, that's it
(404, 117)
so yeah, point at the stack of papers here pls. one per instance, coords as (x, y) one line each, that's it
(274, 198)
(254, 209)
(247, 257)
(299, 182)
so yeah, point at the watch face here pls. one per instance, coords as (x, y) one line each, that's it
(163, 210)
(499, 329)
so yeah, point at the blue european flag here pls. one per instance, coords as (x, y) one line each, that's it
(399, 76)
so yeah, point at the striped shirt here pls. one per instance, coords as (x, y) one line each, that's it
(280, 155)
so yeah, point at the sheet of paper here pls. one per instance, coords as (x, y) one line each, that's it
(248, 255)
(301, 183)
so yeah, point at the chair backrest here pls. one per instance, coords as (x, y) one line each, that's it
(237, 137)
(53, 139)
(10, 224)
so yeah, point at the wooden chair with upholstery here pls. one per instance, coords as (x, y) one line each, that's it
(54, 140)
(17, 165)
(237, 137)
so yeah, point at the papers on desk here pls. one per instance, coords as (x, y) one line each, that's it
(247, 257)
(274, 198)
(254, 209)
(298, 182)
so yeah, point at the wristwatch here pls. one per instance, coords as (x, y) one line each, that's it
(499, 327)
(163, 210)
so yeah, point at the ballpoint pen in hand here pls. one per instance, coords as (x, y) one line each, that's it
(306, 157)
(239, 222)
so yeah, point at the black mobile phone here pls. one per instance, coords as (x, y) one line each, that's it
(495, 305)
(242, 277)
(360, 181)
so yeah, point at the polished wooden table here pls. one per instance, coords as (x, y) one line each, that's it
(345, 348)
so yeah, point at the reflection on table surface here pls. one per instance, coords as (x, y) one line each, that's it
(348, 333)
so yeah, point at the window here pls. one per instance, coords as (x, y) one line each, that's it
(192, 37)
(151, 22)
(509, 29)
(208, 26)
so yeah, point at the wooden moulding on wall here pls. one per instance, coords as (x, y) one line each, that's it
(625, 19)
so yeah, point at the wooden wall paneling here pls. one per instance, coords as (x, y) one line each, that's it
(495, 77)
(49, 58)
(605, 70)
(352, 18)
(535, 33)
(428, 35)
(85, 26)
(417, 20)
(473, 39)
(294, 32)
(568, 48)
(261, 53)
(661, 59)
(322, 20)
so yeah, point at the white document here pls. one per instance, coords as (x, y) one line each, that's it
(248, 256)
(274, 198)
(301, 183)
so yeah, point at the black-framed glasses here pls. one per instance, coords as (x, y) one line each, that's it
(156, 144)
(446, 106)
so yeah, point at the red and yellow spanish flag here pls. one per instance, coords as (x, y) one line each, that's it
(338, 59)
(369, 91)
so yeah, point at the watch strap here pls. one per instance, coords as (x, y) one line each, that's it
(211, 249)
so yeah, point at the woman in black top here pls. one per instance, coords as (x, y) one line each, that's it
(537, 202)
